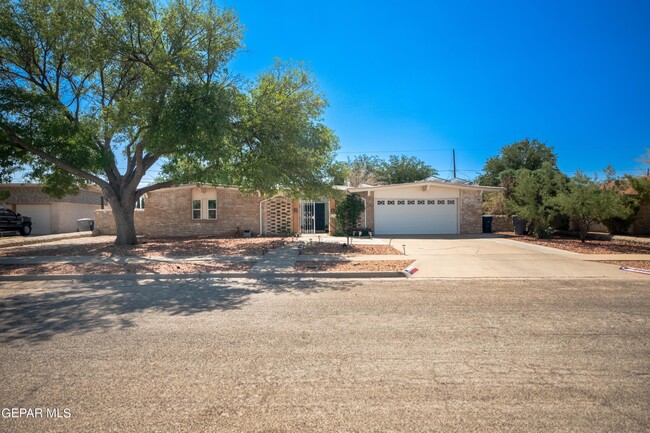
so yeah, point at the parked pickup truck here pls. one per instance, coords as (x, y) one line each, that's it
(14, 222)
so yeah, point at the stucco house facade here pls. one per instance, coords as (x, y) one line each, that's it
(428, 207)
(51, 215)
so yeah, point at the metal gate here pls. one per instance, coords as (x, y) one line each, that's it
(308, 217)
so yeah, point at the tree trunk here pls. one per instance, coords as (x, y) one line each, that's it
(123, 208)
(125, 225)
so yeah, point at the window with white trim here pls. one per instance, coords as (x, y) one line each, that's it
(212, 209)
(196, 209)
(451, 201)
(204, 203)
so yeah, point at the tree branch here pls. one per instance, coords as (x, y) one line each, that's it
(140, 192)
(17, 142)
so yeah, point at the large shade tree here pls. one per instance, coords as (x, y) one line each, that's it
(525, 154)
(102, 91)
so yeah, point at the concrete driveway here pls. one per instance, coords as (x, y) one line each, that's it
(493, 257)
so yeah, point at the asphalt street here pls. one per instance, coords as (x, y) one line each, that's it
(328, 355)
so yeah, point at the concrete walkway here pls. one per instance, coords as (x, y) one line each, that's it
(277, 261)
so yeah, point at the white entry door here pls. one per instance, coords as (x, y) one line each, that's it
(416, 216)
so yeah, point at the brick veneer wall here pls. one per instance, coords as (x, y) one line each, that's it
(168, 213)
(33, 194)
(502, 223)
(471, 211)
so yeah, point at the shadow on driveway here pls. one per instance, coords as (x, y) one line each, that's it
(70, 307)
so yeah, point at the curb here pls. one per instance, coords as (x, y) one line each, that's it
(230, 275)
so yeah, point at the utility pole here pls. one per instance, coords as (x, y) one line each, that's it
(453, 157)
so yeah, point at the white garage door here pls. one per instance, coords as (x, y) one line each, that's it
(416, 216)
(41, 217)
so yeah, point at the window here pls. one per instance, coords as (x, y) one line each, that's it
(400, 201)
(441, 202)
(139, 203)
(196, 209)
(451, 201)
(410, 202)
(380, 202)
(212, 209)
(390, 202)
(431, 202)
(420, 201)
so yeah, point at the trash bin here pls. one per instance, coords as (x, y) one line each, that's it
(246, 233)
(519, 225)
(487, 224)
(85, 224)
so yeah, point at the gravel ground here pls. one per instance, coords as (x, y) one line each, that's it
(363, 266)
(588, 247)
(640, 264)
(210, 355)
(131, 268)
(103, 247)
(350, 250)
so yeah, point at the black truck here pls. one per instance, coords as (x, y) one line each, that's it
(14, 222)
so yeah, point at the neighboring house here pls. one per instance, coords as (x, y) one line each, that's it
(428, 207)
(51, 215)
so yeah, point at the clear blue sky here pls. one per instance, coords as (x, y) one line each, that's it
(421, 78)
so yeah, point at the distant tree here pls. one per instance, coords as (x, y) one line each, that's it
(363, 169)
(526, 154)
(531, 197)
(587, 201)
(101, 91)
(641, 185)
(404, 169)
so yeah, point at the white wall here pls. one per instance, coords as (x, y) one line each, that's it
(417, 192)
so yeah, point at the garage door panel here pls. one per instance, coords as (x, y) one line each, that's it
(40, 215)
(413, 216)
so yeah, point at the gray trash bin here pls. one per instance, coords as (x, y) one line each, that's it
(519, 225)
(246, 233)
(85, 224)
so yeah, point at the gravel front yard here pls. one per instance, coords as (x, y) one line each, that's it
(640, 264)
(130, 268)
(364, 266)
(103, 246)
(350, 250)
(588, 247)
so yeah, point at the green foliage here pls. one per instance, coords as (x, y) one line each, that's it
(495, 203)
(348, 210)
(364, 169)
(4, 195)
(531, 197)
(641, 185)
(102, 91)
(404, 169)
(525, 154)
(587, 201)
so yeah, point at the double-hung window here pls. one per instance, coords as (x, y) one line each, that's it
(204, 209)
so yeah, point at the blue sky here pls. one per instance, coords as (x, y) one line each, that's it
(421, 78)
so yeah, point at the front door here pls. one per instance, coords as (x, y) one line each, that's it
(319, 214)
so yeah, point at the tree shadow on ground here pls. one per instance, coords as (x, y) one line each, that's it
(76, 307)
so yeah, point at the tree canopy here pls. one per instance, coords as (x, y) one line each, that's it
(528, 154)
(371, 170)
(100, 92)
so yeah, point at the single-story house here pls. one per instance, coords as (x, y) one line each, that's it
(51, 215)
(427, 207)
